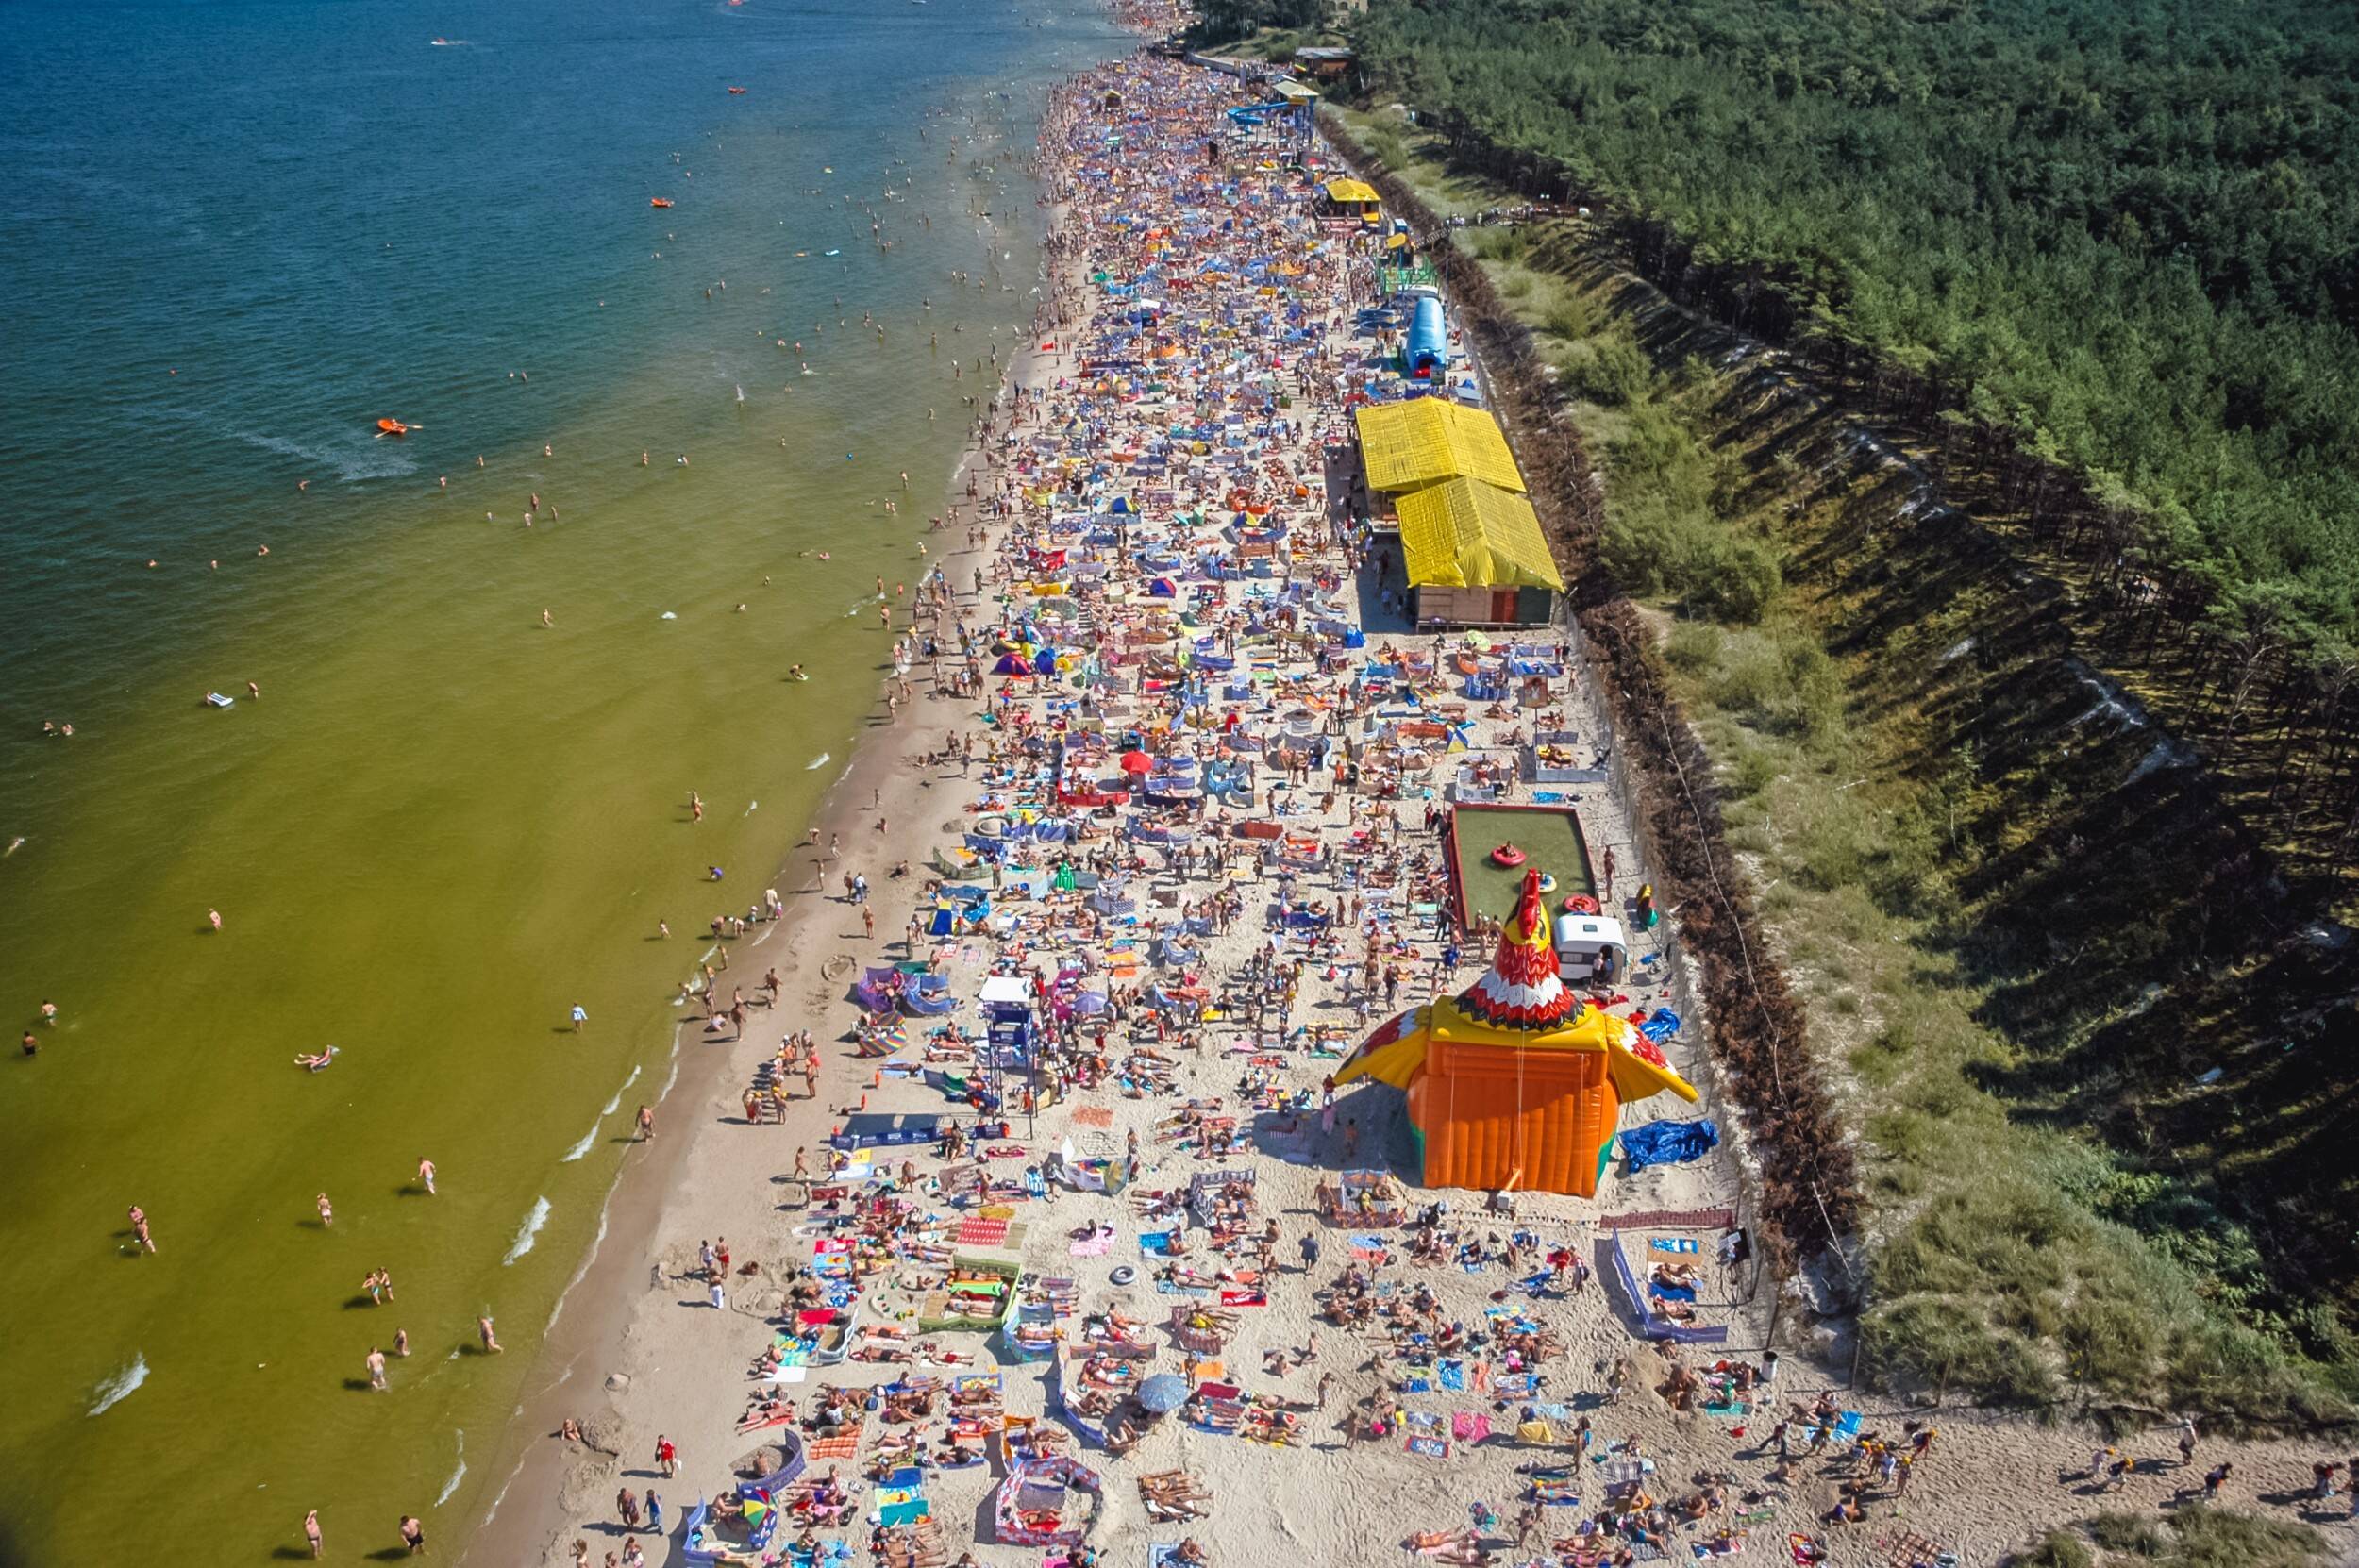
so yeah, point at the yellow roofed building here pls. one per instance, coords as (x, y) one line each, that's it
(1471, 547)
(1409, 445)
(1354, 198)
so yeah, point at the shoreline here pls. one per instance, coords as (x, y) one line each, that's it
(1995, 1474)
(647, 1190)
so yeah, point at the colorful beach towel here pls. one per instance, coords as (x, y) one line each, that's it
(1157, 1244)
(1232, 1297)
(845, 1445)
(981, 1232)
(1469, 1426)
(1432, 1448)
(1672, 1244)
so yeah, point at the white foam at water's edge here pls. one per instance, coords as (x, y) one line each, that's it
(817, 762)
(452, 1485)
(589, 1258)
(531, 1232)
(117, 1389)
(583, 1147)
(615, 1104)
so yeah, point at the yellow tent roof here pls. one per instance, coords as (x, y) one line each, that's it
(1351, 190)
(1408, 445)
(1463, 533)
(1296, 92)
(1394, 1052)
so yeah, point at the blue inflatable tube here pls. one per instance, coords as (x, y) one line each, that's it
(1428, 345)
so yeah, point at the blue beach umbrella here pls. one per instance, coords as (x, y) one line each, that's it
(1163, 1393)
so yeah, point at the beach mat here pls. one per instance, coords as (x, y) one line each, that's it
(843, 1446)
(981, 1232)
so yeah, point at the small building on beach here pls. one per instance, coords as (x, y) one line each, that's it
(1471, 545)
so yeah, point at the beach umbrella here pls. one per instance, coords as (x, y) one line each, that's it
(1137, 761)
(1163, 1393)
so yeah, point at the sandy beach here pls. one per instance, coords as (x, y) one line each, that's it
(1353, 1385)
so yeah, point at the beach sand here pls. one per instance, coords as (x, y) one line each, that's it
(637, 1352)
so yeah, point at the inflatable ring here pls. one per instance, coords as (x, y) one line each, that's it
(1548, 884)
(1124, 1274)
(1580, 903)
(1508, 856)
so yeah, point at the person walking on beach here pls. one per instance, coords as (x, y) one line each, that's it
(412, 1534)
(1605, 868)
(491, 1339)
(626, 1504)
(666, 1456)
(311, 1533)
(581, 1016)
(655, 1510)
(646, 1124)
(138, 1228)
(377, 1369)
(426, 1176)
(327, 1210)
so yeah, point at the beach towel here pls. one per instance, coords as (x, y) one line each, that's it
(1092, 1246)
(1672, 1244)
(1672, 1292)
(1234, 1296)
(981, 1232)
(1157, 1244)
(1093, 1116)
(845, 1445)
(1469, 1426)
(1432, 1448)
(1160, 1554)
(1452, 1374)
(1172, 1287)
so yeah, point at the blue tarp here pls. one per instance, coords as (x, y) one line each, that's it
(1668, 1142)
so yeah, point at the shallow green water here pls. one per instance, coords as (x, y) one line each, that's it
(441, 824)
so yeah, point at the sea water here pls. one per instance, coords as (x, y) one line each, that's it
(237, 236)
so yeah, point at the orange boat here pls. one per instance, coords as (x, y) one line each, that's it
(659, 201)
(391, 427)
